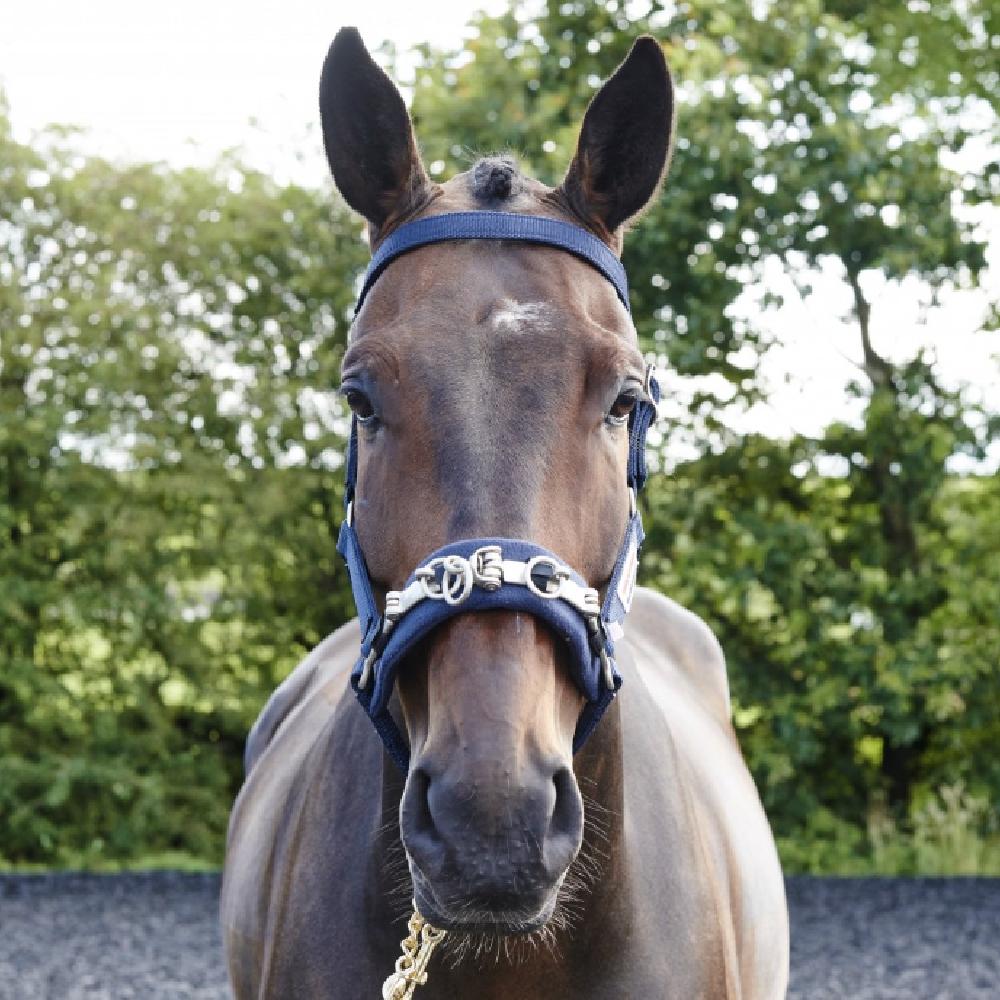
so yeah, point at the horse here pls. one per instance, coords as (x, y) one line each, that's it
(567, 839)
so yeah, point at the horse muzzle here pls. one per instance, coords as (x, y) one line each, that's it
(488, 850)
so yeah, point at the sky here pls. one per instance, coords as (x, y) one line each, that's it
(151, 79)
(182, 81)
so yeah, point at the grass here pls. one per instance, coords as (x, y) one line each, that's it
(945, 838)
(949, 832)
(174, 861)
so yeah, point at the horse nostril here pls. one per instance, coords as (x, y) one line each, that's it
(416, 804)
(567, 813)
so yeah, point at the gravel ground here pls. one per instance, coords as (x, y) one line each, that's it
(113, 937)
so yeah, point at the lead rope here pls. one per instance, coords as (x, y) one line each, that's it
(411, 966)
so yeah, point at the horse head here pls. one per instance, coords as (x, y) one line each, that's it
(491, 383)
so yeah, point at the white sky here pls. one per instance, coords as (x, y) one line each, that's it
(183, 80)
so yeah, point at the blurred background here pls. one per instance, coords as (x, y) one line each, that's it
(820, 282)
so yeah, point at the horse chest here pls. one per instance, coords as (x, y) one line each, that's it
(313, 860)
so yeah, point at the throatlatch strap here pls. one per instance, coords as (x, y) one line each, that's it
(498, 226)
(638, 426)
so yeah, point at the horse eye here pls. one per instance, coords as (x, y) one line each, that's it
(622, 407)
(360, 404)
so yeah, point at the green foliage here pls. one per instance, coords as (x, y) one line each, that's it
(951, 832)
(170, 446)
(944, 836)
(169, 486)
(832, 681)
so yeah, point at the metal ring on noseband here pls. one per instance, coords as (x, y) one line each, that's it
(540, 573)
(484, 568)
(456, 581)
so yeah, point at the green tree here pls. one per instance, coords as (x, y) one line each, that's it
(169, 486)
(797, 136)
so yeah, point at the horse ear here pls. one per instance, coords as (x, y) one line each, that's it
(368, 134)
(624, 142)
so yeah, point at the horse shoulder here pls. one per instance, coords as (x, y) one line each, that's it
(297, 826)
(689, 644)
(330, 656)
(682, 714)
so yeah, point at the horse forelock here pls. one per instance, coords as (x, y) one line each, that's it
(495, 178)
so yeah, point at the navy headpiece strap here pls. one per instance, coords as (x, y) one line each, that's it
(498, 226)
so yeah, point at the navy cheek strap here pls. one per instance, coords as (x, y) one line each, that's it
(509, 574)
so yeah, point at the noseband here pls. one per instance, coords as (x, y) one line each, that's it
(509, 574)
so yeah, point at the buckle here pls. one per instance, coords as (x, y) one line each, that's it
(544, 577)
(596, 635)
(487, 567)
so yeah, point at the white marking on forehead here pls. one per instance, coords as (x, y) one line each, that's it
(516, 317)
